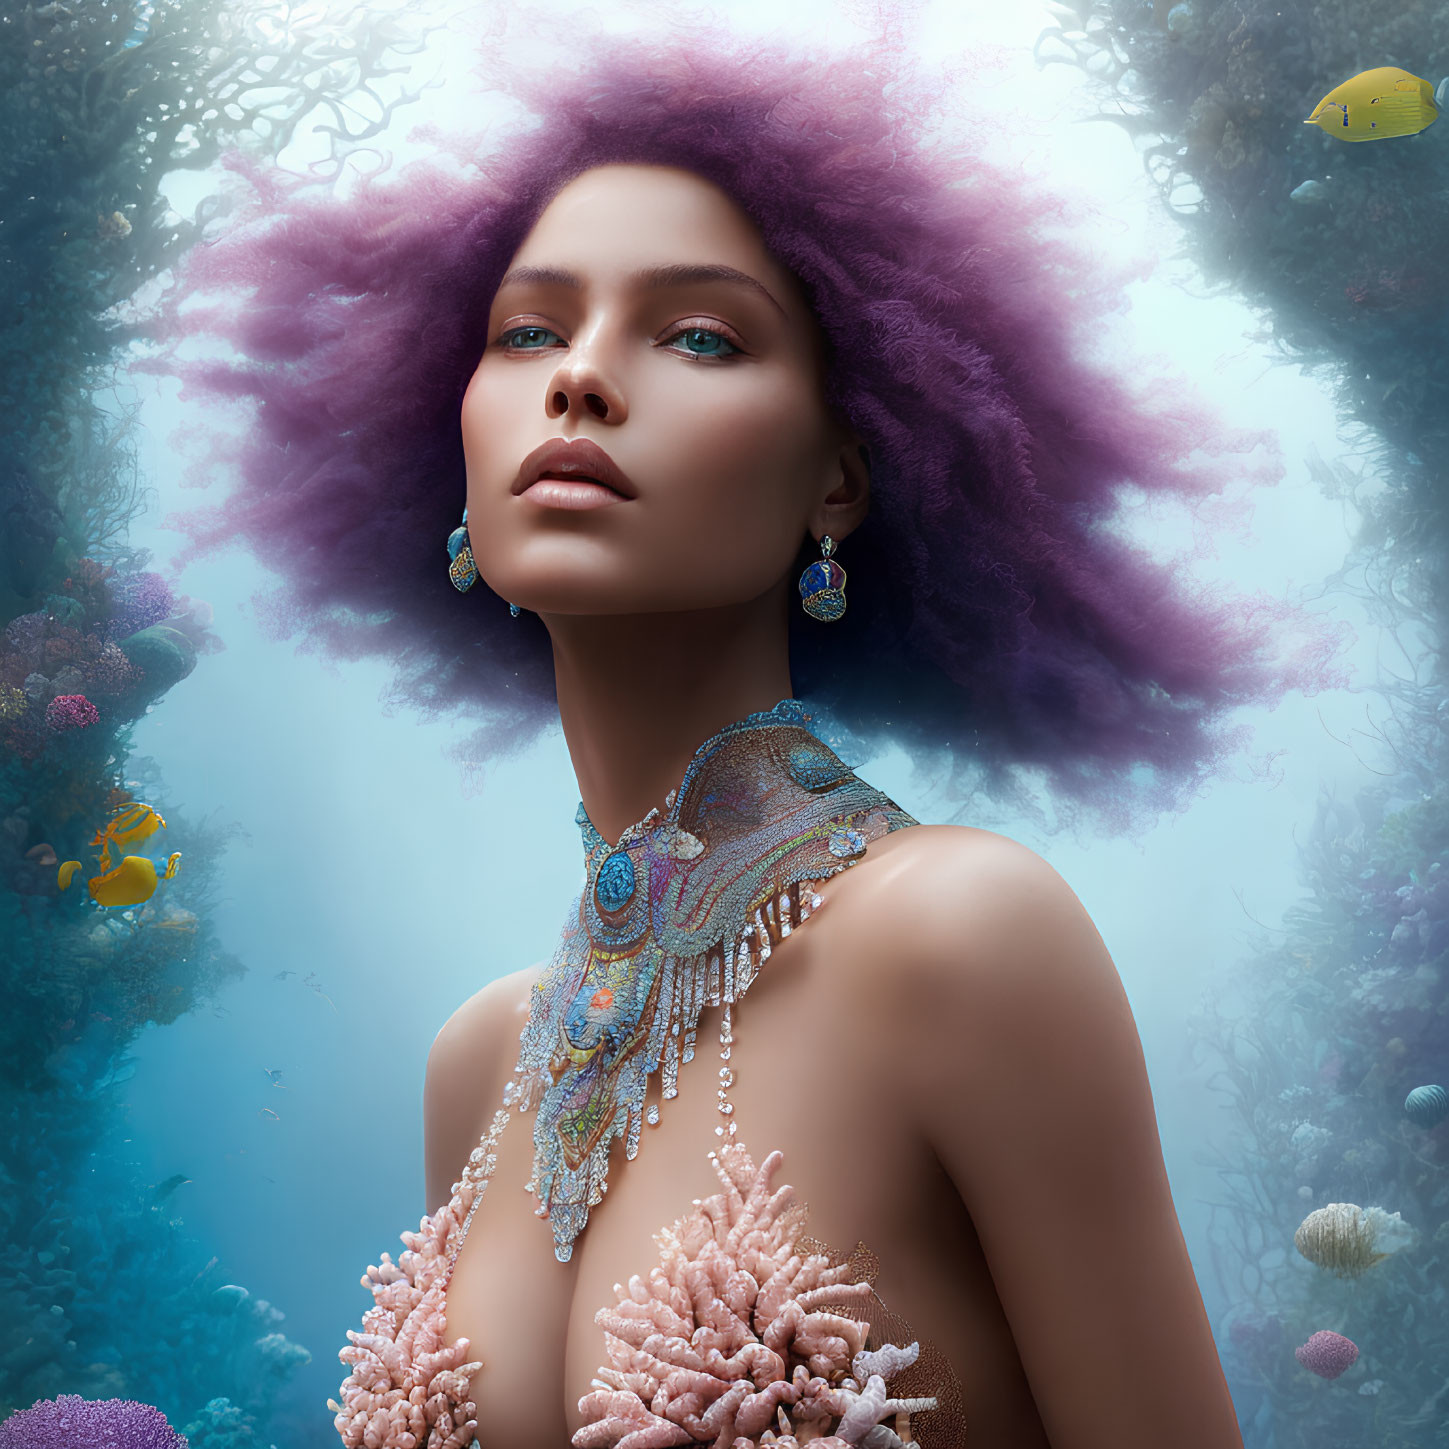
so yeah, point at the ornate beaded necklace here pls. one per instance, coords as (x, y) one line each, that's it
(680, 914)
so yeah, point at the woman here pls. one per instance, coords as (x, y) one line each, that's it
(712, 320)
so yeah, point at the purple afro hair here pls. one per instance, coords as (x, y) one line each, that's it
(71, 1422)
(997, 619)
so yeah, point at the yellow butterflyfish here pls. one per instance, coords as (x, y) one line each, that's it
(134, 822)
(129, 824)
(1377, 104)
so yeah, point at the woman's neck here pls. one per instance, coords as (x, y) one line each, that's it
(637, 695)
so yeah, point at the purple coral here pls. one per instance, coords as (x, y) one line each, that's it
(71, 1422)
(140, 601)
(1327, 1354)
(71, 712)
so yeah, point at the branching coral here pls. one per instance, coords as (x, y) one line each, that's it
(71, 712)
(736, 1334)
(408, 1389)
(740, 1338)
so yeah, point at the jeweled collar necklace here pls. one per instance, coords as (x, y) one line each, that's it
(678, 915)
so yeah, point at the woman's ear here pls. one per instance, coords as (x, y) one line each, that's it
(848, 501)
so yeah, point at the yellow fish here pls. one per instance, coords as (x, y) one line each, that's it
(1377, 104)
(134, 880)
(129, 825)
(130, 883)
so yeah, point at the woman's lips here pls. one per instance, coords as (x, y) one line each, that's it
(571, 493)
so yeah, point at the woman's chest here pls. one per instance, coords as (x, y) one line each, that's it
(809, 1074)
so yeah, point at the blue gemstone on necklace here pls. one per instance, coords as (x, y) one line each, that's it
(614, 888)
(845, 842)
(816, 768)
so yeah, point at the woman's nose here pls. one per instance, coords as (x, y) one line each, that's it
(584, 382)
(566, 399)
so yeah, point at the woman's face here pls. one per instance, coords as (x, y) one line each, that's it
(643, 315)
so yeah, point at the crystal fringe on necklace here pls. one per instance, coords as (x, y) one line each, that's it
(680, 914)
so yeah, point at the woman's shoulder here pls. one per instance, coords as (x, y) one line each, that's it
(957, 910)
(947, 846)
(1017, 1061)
(476, 1025)
(470, 1056)
(947, 875)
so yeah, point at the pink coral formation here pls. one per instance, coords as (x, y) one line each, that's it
(71, 712)
(736, 1339)
(407, 1388)
(1327, 1354)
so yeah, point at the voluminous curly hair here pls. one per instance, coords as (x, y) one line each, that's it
(998, 622)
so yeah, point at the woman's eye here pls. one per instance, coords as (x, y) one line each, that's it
(531, 336)
(705, 342)
(698, 341)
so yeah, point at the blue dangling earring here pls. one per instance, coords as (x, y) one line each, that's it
(822, 585)
(461, 568)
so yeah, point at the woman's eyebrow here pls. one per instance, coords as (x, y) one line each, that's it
(673, 276)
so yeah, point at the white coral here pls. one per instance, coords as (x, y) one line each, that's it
(408, 1389)
(730, 1339)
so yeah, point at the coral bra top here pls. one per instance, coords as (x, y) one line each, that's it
(747, 1332)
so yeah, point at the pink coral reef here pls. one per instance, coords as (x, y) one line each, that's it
(69, 651)
(71, 712)
(739, 1341)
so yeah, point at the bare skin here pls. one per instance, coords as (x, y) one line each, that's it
(509, 1296)
(965, 1095)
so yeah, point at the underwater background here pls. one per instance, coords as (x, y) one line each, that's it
(210, 1103)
